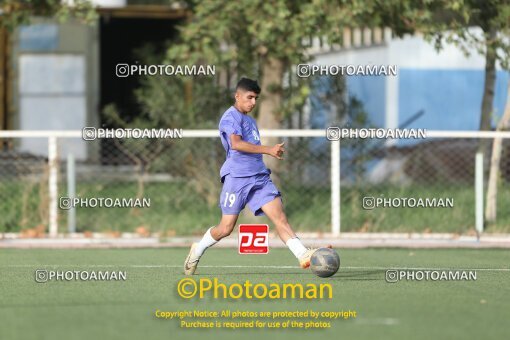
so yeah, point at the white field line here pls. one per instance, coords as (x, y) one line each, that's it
(239, 266)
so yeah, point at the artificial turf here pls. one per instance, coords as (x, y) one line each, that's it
(126, 309)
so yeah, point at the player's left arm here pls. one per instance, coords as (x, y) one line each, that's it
(239, 144)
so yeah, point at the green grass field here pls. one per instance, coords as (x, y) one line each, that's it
(125, 309)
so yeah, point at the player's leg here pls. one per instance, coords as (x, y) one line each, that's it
(264, 198)
(210, 238)
(214, 234)
(225, 228)
(274, 211)
(232, 201)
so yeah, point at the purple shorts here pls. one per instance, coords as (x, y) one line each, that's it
(255, 191)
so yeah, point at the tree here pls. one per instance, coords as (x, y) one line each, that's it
(15, 12)
(497, 148)
(453, 22)
(163, 102)
(264, 39)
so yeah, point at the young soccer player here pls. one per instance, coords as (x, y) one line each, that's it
(246, 179)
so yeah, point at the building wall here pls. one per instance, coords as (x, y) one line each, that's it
(447, 85)
(56, 79)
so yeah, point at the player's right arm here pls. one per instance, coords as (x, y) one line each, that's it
(239, 144)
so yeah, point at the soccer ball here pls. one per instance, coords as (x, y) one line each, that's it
(325, 262)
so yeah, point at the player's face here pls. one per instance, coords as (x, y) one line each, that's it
(246, 100)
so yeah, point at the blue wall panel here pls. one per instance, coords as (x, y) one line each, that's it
(371, 91)
(451, 98)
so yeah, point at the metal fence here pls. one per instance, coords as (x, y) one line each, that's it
(181, 179)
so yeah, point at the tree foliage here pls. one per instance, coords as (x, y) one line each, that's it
(452, 22)
(19, 12)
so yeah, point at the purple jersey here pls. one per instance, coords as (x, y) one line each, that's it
(240, 164)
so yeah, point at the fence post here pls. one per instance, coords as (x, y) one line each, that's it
(71, 193)
(479, 192)
(335, 187)
(52, 186)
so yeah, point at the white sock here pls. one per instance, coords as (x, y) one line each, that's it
(296, 247)
(206, 242)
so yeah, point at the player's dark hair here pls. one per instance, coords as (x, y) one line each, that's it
(248, 85)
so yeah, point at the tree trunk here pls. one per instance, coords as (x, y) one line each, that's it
(492, 188)
(3, 79)
(269, 117)
(488, 90)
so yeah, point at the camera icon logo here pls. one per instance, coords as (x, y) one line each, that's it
(391, 276)
(41, 276)
(333, 133)
(65, 203)
(122, 70)
(89, 133)
(303, 70)
(368, 203)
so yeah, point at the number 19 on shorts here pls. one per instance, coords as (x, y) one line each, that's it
(253, 239)
(229, 200)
